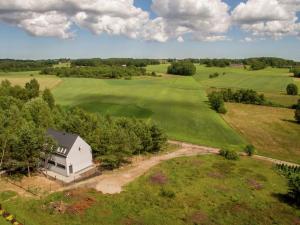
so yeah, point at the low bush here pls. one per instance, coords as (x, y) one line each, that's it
(292, 89)
(250, 150)
(229, 154)
(297, 112)
(167, 192)
(214, 75)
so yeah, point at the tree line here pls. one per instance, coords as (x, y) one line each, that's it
(11, 65)
(115, 62)
(184, 68)
(24, 119)
(253, 63)
(101, 71)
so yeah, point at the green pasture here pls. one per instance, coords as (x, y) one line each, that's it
(198, 190)
(270, 81)
(177, 104)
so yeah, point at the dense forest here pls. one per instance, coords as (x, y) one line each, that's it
(101, 71)
(26, 114)
(10, 65)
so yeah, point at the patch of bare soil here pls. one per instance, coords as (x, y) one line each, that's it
(239, 208)
(216, 175)
(254, 184)
(296, 221)
(159, 178)
(198, 218)
(80, 206)
(58, 207)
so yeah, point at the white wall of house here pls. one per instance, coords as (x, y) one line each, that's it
(80, 156)
(55, 168)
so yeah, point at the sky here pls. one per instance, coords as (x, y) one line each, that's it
(44, 29)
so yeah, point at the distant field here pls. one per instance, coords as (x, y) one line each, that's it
(21, 78)
(198, 190)
(272, 130)
(270, 81)
(177, 104)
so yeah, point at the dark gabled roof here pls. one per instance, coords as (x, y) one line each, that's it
(64, 140)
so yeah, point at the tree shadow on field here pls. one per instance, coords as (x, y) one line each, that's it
(290, 121)
(285, 198)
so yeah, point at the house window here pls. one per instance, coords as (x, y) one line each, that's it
(61, 166)
(51, 162)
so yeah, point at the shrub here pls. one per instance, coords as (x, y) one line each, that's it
(214, 75)
(250, 150)
(292, 89)
(217, 102)
(153, 74)
(296, 72)
(167, 192)
(294, 187)
(229, 154)
(183, 68)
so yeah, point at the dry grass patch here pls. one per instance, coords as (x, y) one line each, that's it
(271, 130)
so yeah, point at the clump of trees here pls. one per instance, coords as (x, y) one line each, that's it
(229, 154)
(292, 89)
(100, 72)
(11, 65)
(26, 114)
(217, 102)
(246, 96)
(216, 62)
(184, 68)
(292, 173)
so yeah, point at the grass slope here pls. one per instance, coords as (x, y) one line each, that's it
(207, 190)
(177, 104)
(270, 81)
(273, 131)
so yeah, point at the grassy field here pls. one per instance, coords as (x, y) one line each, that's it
(271, 81)
(272, 130)
(21, 78)
(199, 190)
(177, 104)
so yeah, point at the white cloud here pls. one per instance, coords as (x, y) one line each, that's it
(180, 39)
(204, 19)
(55, 17)
(268, 18)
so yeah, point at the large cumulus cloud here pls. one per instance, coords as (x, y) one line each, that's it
(203, 20)
(268, 18)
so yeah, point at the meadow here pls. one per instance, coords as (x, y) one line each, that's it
(177, 104)
(272, 131)
(197, 190)
(272, 82)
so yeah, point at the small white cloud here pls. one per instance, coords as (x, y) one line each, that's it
(180, 39)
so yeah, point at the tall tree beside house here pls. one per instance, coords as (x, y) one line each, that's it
(48, 97)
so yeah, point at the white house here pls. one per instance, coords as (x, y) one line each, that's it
(72, 155)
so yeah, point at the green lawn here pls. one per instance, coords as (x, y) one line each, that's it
(177, 104)
(198, 190)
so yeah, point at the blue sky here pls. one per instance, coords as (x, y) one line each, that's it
(16, 42)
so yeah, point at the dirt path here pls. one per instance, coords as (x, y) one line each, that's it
(113, 181)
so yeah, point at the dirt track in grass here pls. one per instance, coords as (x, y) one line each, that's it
(112, 182)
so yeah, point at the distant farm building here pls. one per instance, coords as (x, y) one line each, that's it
(72, 155)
